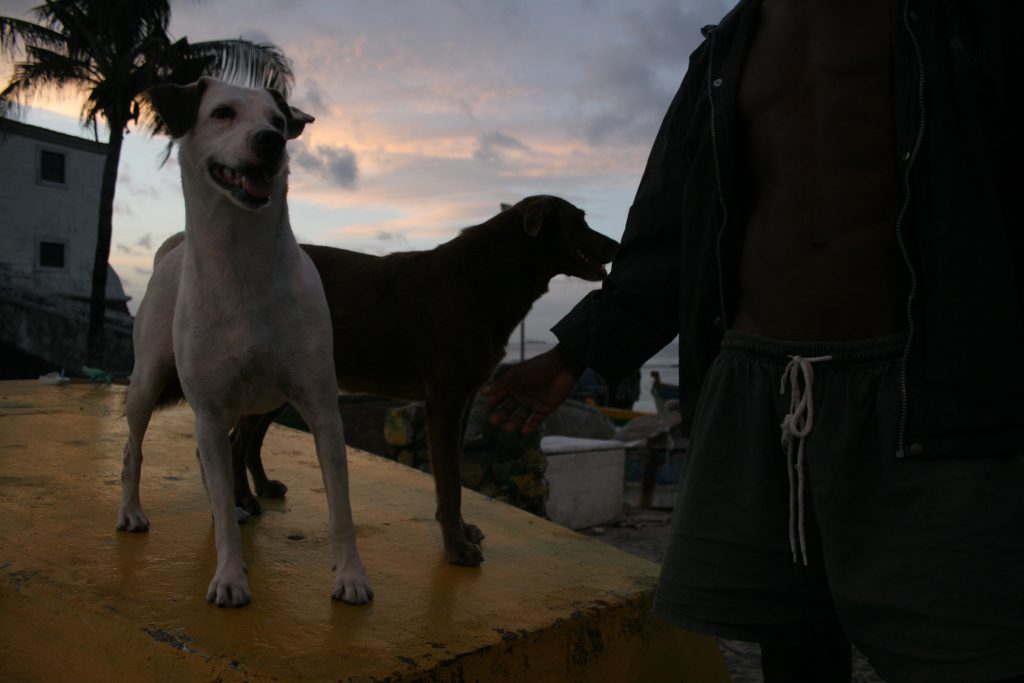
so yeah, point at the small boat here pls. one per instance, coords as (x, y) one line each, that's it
(619, 416)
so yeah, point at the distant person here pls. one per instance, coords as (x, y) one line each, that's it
(831, 209)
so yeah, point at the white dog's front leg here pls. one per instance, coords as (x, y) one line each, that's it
(229, 587)
(351, 584)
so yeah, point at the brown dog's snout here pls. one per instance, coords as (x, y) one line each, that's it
(268, 143)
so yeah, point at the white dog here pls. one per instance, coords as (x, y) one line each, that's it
(250, 328)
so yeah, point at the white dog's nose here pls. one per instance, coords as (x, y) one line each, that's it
(268, 142)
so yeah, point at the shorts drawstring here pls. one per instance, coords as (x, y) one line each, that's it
(797, 425)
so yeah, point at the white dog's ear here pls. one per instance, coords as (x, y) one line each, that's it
(297, 119)
(536, 211)
(177, 105)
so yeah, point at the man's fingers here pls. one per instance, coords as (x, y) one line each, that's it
(523, 420)
(495, 409)
(512, 411)
(496, 398)
(506, 413)
(532, 423)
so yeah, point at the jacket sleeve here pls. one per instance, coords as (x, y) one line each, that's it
(636, 312)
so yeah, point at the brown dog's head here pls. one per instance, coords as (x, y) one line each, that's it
(575, 247)
(231, 137)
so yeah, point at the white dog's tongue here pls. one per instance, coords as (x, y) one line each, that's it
(260, 187)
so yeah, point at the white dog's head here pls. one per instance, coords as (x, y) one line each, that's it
(231, 137)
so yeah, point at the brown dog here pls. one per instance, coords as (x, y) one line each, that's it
(433, 325)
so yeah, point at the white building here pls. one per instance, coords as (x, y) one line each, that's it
(49, 207)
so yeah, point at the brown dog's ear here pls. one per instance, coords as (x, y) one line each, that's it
(296, 118)
(536, 212)
(177, 105)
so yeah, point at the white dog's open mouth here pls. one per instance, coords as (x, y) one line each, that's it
(251, 185)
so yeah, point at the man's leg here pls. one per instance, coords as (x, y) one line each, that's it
(924, 556)
(729, 569)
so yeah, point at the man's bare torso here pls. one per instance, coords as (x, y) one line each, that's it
(820, 259)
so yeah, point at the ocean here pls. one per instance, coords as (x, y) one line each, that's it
(666, 362)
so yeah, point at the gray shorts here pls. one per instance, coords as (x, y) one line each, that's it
(919, 562)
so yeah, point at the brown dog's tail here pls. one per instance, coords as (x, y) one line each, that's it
(171, 395)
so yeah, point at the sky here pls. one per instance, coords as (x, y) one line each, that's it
(429, 115)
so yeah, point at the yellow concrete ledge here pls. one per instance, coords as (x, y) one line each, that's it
(80, 601)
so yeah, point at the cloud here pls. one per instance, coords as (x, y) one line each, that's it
(338, 165)
(310, 98)
(143, 245)
(256, 35)
(390, 236)
(627, 85)
(489, 149)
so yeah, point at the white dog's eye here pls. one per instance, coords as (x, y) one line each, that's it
(223, 112)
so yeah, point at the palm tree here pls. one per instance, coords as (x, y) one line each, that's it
(112, 51)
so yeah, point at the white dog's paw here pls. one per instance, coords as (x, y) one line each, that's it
(229, 592)
(132, 518)
(352, 587)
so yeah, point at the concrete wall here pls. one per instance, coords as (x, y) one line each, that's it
(56, 332)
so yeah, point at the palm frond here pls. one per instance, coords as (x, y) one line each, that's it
(16, 34)
(260, 65)
(45, 64)
(84, 26)
(45, 71)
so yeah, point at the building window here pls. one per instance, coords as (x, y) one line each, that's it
(52, 255)
(51, 167)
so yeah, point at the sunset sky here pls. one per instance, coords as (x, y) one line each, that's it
(430, 113)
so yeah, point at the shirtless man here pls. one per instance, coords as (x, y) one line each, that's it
(820, 259)
(813, 217)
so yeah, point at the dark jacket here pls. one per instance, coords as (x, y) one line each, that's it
(957, 66)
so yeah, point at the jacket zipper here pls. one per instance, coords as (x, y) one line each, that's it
(710, 32)
(901, 446)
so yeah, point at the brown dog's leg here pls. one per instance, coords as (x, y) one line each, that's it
(266, 487)
(246, 443)
(244, 497)
(472, 532)
(444, 422)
